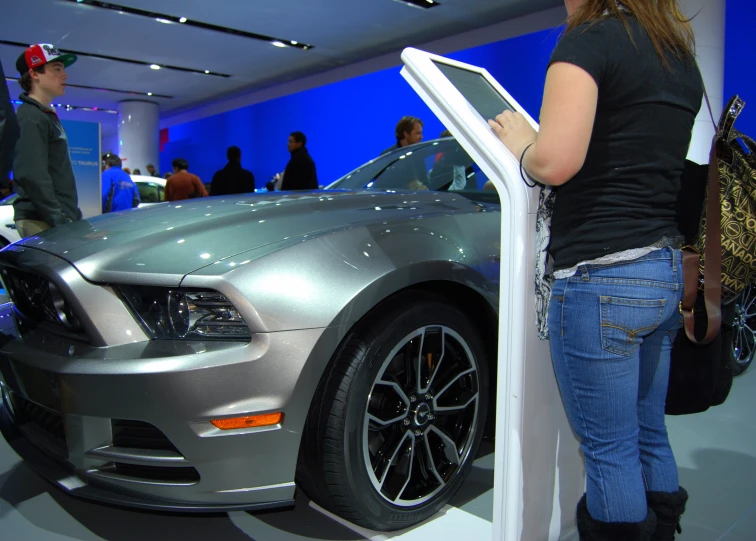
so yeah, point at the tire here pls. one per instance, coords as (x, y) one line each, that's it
(740, 338)
(379, 449)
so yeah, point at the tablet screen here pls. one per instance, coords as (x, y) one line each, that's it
(476, 90)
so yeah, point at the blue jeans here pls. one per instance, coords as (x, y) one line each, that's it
(612, 328)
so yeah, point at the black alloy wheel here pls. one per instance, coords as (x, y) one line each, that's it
(398, 418)
(421, 416)
(742, 344)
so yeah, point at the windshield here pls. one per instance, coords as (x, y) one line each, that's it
(439, 165)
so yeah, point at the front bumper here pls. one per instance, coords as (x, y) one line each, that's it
(65, 479)
(65, 406)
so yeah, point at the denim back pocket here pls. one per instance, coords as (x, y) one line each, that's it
(625, 321)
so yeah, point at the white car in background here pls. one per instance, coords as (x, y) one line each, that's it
(151, 191)
(8, 233)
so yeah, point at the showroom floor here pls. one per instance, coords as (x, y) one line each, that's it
(716, 453)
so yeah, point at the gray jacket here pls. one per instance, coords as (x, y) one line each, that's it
(42, 170)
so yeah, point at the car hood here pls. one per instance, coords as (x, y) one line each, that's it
(161, 244)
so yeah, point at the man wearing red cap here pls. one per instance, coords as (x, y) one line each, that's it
(43, 174)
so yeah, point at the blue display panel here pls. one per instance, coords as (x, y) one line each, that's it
(84, 148)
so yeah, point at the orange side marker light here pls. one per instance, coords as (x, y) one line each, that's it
(249, 421)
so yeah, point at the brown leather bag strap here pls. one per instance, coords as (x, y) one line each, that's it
(712, 263)
(690, 262)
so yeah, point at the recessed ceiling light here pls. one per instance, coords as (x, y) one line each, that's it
(207, 71)
(277, 43)
(155, 66)
(81, 108)
(149, 93)
(168, 18)
(421, 3)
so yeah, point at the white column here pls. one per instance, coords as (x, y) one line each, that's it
(709, 26)
(139, 134)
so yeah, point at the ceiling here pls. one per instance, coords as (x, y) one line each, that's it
(341, 32)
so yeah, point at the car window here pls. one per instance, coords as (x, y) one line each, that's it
(161, 193)
(441, 165)
(149, 192)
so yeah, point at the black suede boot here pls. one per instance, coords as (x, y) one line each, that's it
(591, 529)
(668, 507)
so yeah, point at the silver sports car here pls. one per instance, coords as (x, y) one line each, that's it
(214, 354)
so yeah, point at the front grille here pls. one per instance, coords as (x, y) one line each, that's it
(140, 435)
(43, 427)
(38, 302)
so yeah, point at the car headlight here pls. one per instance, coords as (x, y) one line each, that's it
(182, 313)
(62, 310)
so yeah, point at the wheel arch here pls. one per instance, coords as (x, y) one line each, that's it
(474, 296)
(462, 286)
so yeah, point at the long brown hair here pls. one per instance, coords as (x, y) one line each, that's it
(665, 24)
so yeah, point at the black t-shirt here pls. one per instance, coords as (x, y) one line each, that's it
(624, 196)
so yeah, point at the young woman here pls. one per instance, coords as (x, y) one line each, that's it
(622, 93)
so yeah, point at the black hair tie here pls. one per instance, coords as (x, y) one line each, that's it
(523, 174)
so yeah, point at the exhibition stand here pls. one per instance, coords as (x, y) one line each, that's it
(538, 476)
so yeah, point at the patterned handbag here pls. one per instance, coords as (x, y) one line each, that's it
(724, 251)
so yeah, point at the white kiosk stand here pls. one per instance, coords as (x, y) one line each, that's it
(539, 473)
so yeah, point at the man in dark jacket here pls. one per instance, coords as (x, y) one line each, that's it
(8, 132)
(300, 172)
(232, 178)
(44, 177)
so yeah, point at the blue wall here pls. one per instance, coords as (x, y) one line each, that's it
(740, 60)
(349, 122)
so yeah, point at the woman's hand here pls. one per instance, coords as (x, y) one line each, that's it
(514, 131)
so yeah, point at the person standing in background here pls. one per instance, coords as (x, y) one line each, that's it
(182, 184)
(151, 171)
(300, 172)
(44, 177)
(118, 190)
(233, 178)
(9, 132)
(409, 130)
